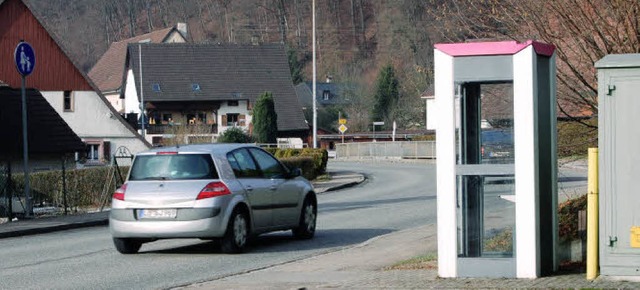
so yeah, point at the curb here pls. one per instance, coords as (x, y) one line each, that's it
(61, 227)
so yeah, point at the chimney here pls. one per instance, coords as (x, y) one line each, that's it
(182, 28)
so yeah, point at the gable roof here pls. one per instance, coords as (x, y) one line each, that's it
(19, 22)
(221, 71)
(107, 72)
(48, 132)
(21, 18)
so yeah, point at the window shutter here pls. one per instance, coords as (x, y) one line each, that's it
(106, 151)
(241, 120)
(249, 106)
(224, 120)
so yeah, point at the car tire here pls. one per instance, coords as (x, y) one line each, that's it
(236, 236)
(127, 246)
(307, 224)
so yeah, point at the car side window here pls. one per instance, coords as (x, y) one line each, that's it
(270, 167)
(242, 164)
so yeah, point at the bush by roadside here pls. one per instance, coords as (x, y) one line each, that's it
(575, 139)
(93, 187)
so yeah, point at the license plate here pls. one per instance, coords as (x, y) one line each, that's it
(157, 213)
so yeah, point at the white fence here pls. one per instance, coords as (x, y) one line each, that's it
(398, 149)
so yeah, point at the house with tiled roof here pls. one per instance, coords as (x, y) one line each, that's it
(107, 72)
(209, 85)
(62, 83)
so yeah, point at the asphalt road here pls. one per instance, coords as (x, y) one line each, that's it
(396, 196)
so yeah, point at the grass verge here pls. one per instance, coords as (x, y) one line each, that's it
(424, 262)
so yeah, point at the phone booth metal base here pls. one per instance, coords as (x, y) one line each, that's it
(496, 159)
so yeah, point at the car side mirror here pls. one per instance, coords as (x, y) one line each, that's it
(295, 172)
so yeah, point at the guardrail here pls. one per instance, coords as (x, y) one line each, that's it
(398, 149)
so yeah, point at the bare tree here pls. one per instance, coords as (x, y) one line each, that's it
(583, 31)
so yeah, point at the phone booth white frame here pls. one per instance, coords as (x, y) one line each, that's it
(530, 68)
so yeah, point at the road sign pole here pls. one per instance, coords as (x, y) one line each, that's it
(25, 61)
(25, 150)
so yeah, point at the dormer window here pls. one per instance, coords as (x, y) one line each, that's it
(325, 95)
(156, 87)
(195, 87)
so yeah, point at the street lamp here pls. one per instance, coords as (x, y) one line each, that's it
(315, 113)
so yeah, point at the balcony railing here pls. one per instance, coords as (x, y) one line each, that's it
(187, 129)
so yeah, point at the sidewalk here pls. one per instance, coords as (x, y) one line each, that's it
(363, 267)
(23, 227)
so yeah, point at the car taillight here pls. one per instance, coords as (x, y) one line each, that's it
(119, 193)
(213, 189)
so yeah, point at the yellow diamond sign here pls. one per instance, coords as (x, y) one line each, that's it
(342, 128)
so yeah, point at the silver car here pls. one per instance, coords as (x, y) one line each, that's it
(223, 192)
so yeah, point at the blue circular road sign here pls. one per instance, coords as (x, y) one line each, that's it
(25, 58)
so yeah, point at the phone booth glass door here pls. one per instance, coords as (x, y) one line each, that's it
(485, 178)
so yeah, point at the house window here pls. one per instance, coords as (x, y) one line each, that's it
(232, 119)
(156, 87)
(92, 152)
(232, 103)
(325, 95)
(67, 101)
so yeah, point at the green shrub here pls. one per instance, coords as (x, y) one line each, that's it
(235, 135)
(305, 163)
(574, 139)
(319, 156)
(568, 218)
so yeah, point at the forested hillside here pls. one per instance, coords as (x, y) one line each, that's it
(355, 38)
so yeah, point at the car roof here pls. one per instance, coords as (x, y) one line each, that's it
(213, 148)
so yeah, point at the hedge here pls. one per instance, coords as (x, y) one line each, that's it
(90, 187)
(87, 187)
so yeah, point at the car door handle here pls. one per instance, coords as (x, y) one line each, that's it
(273, 187)
(249, 188)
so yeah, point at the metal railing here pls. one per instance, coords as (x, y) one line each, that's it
(398, 149)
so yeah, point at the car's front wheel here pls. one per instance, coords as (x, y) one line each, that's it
(127, 246)
(237, 234)
(307, 224)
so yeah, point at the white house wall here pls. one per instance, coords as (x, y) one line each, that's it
(241, 109)
(91, 119)
(131, 102)
(115, 101)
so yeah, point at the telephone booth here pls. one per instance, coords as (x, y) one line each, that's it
(496, 159)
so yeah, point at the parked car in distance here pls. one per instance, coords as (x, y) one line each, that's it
(497, 146)
(224, 192)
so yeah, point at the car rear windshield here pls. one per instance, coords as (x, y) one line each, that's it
(173, 166)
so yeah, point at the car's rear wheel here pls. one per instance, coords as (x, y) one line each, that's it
(307, 224)
(126, 245)
(237, 235)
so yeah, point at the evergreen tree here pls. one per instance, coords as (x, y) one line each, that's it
(386, 96)
(265, 120)
(295, 66)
